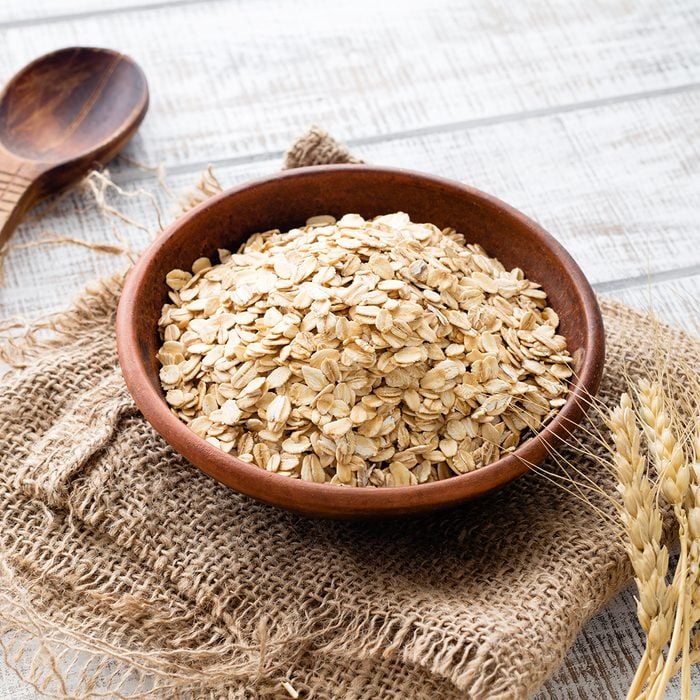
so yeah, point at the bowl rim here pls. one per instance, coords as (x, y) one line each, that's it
(333, 500)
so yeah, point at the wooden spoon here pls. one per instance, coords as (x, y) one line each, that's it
(60, 116)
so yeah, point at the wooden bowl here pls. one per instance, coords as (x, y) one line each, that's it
(286, 200)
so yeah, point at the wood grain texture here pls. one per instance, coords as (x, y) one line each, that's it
(60, 116)
(672, 301)
(617, 185)
(616, 181)
(604, 657)
(13, 188)
(43, 11)
(240, 78)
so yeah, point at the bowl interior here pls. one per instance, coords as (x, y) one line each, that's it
(287, 200)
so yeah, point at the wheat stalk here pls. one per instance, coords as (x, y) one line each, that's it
(694, 504)
(655, 450)
(643, 525)
(693, 510)
(674, 477)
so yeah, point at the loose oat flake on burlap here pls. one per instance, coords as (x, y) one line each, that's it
(127, 572)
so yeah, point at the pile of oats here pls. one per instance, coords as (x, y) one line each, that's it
(363, 353)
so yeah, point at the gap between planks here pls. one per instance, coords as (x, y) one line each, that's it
(432, 130)
(259, 78)
(677, 273)
(123, 9)
(133, 174)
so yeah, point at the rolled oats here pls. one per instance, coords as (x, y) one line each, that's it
(362, 353)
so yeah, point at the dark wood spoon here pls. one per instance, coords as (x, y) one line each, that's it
(60, 116)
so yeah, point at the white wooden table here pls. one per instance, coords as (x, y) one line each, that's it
(586, 115)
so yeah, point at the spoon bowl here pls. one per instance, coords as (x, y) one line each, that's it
(60, 116)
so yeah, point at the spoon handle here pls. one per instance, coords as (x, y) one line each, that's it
(15, 194)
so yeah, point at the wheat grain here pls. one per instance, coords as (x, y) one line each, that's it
(667, 450)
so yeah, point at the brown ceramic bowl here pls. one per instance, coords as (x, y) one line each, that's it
(287, 200)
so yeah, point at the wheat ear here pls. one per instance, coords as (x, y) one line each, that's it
(694, 519)
(643, 525)
(674, 479)
(693, 510)
(667, 451)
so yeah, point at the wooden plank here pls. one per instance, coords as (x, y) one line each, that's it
(673, 301)
(604, 658)
(40, 11)
(616, 185)
(243, 78)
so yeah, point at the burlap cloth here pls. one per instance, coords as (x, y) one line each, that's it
(126, 570)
